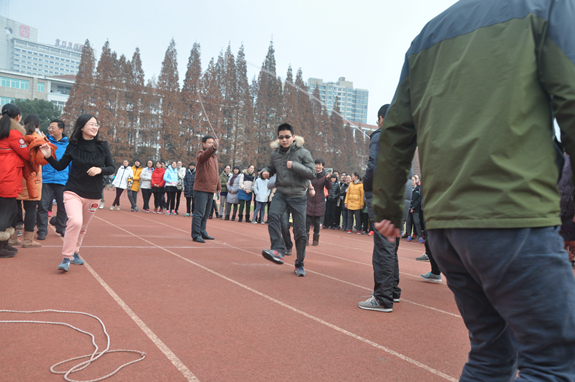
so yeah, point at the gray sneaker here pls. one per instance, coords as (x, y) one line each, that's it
(300, 272)
(372, 304)
(423, 257)
(431, 278)
(64, 265)
(77, 260)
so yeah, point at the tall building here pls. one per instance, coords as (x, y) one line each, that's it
(352, 102)
(21, 52)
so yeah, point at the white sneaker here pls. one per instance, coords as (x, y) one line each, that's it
(101, 205)
(118, 208)
(112, 208)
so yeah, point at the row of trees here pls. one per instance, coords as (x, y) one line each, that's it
(161, 120)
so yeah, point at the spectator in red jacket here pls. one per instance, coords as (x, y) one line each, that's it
(158, 187)
(13, 153)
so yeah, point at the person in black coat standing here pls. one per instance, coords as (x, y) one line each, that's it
(316, 202)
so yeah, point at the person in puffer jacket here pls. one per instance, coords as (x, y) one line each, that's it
(331, 216)
(316, 203)
(121, 182)
(294, 167)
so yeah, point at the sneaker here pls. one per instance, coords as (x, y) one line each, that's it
(408, 238)
(136, 209)
(159, 210)
(273, 256)
(431, 278)
(101, 205)
(423, 257)
(370, 233)
(396, 300)
(77, 260)
(263, 222)
(254, 222)
(421, 240)
(168, 213)
(349, 231)
(118, 208)
(112, 208)
(288, 252)
(173, 213)
(131, 209)
(187, 215)
(300, 272)
(358, 232)
(147, 211)
(372, 304)
(49, 214)
(155, 211)
(64, 265)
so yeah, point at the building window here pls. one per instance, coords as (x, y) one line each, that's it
(5, 100)
(41, 87)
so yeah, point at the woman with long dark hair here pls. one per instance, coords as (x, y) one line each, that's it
(91, 160)
(13, 154)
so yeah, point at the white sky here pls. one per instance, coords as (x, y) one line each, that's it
(363, 41)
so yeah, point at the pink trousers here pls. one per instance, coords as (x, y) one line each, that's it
(80, 211)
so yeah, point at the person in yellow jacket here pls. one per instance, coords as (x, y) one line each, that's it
(354, 203)
(135, 187)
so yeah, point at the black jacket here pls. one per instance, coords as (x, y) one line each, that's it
(416, 199)
(189, 180)
(333, 192)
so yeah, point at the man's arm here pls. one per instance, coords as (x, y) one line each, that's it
(204, 155)
(373, 154)
(306, 169)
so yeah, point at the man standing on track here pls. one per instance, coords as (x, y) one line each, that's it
(295, 168)
(478, 92)
(206, 183)
(386, 289)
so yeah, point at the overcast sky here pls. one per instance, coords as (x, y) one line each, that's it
(363, 41)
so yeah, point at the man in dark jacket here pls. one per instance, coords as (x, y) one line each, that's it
(316, 200)
(478, 93)
(294, 168)
(413, 217)
(386, 289)
(331, 218)
(207, 182)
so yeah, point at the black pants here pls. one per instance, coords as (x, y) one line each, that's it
(312, 220)
(364, 222)
(248, 204)
(330, 214)
(203, 206)
(158, 194)
(338, 212)
(285, 230)
(350, 215)
(434, 267)
(297, 206)
(189, 205)
(8, 211)
(146, 194)
(178, 197)
(118, 194)
(385, 265)
(171, 193)
(19, 222)
(229, 209)
(31, 208)
(51, 191)
(413, 217)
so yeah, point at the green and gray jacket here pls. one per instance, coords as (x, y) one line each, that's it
(291, 182)
(478, 92)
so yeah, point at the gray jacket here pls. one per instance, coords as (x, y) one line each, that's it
(291, 182)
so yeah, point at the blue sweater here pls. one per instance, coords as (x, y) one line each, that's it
(49, 175)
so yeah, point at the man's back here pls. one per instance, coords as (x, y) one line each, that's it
(474, 92)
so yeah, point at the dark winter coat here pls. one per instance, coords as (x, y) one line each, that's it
(343, 193)
(416, 199)
(189, 179)
(292, 182)
(333, 194)
(316, 204)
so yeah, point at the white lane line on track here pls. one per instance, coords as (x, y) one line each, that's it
(296, 310)
(155, 339)
(321, 274)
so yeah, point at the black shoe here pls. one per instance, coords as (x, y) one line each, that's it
(227, 218)
(61, 233)
(41, 236)
(53, 220)
(207, 237)
(288, 252)
(198, 239)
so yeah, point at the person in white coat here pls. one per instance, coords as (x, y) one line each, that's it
(123, 176)
(262, 193)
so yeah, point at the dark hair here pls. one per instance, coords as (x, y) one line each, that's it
(192, 164)
(383, 111)
(319, 160)
(285, 126)
(31, 122)
(77, 131)
(357, 174)
(238, 167)
(61, 124)
(333, 176)
(206, 137)
(8, 111)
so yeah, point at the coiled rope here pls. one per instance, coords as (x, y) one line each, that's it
(92, 357)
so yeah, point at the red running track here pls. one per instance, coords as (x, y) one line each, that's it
(220, 312)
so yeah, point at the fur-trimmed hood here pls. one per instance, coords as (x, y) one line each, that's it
(16, 126)
(298, 140)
